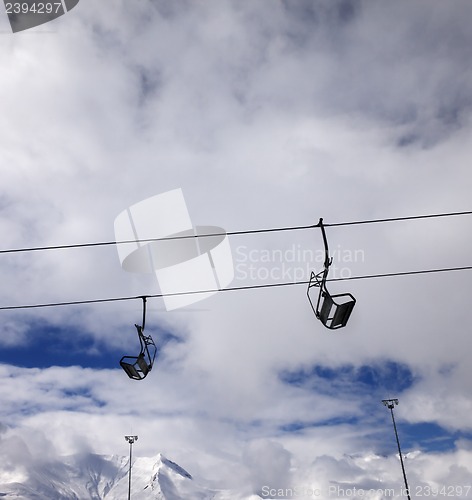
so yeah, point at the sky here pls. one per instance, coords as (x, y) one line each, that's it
(266, 114)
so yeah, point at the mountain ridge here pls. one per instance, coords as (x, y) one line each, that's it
(90, 476)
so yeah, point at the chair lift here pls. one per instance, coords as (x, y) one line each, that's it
(137, 367)
(332, 310)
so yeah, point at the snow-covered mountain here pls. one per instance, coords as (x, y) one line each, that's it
(99, 477)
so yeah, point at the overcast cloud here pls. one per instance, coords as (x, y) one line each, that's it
(266, 114)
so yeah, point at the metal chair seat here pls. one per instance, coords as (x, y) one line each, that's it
(135, 366)
(335, 314)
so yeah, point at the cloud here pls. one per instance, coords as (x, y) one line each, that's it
(269, 464)
(264, 118)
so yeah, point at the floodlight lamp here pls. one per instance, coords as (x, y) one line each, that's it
(390, 403)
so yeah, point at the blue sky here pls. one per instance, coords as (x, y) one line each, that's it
(265, 114)
(47, 345)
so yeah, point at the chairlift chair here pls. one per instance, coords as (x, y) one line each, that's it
(332, 310)
(137, 367)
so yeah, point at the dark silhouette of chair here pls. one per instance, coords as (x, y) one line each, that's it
(332, 310)
(137, 367)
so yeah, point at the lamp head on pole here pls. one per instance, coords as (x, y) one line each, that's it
(131, 439)
(390, 403)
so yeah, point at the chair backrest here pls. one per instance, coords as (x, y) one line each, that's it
(143, 365)
(326, 305)
(342, 313)
(130, 370)
(135, 366)
(335, 313)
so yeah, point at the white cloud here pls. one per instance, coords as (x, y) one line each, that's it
(269, 464)
(264, 117)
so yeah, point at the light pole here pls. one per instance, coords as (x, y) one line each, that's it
(390, 403)
(131, 440)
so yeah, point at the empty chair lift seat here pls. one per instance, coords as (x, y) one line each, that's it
(332, 310)
(335, 313)
(136, 367)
